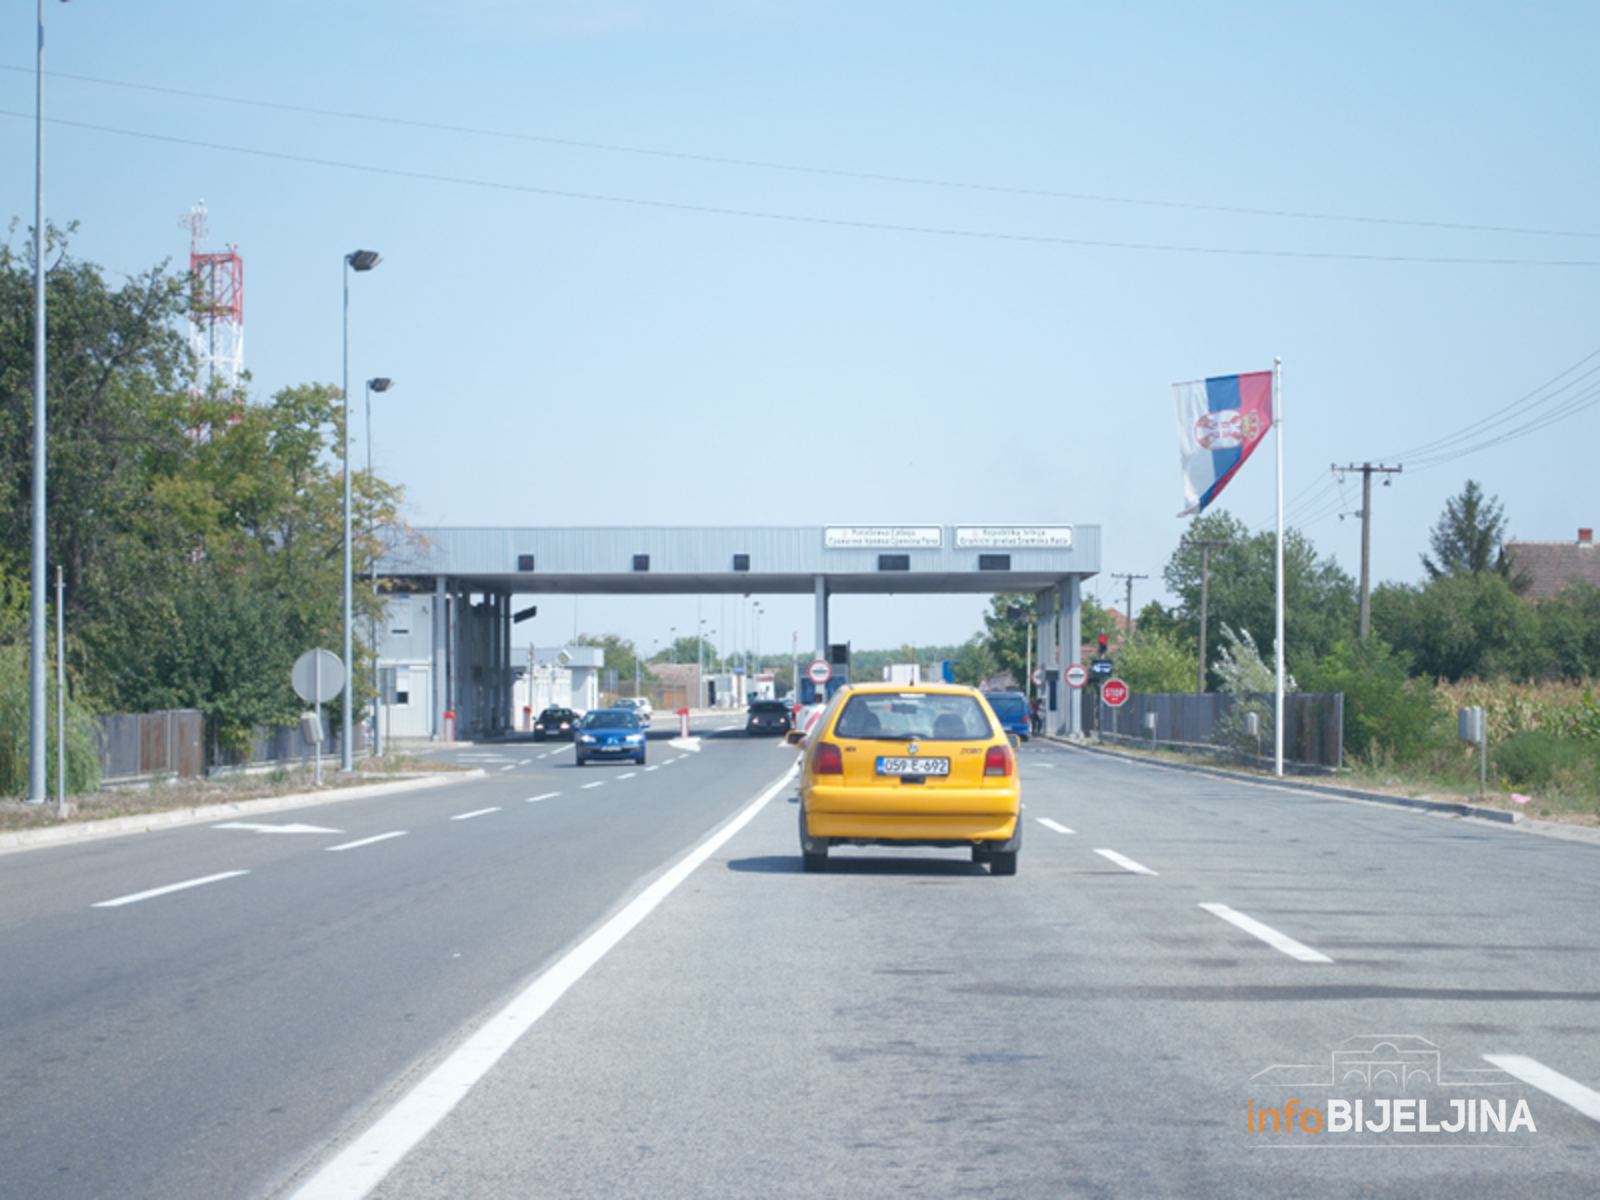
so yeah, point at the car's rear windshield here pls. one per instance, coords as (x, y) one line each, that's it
(896, 716)
(610, 719)
(1001, 701)
(768, 706)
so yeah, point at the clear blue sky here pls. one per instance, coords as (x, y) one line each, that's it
(764, 261)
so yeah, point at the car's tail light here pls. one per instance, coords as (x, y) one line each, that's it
(826, 760)
(999, 761)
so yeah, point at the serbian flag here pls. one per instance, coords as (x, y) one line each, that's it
(1220, 423)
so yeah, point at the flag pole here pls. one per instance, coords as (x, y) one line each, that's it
(1277, 423)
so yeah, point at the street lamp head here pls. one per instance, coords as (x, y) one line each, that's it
(363, 260)
(380, 384)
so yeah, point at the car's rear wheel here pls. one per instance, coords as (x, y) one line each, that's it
(1003, 863)
(813, 856)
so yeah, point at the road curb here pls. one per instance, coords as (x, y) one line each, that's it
(89, 831)
(1452, 807)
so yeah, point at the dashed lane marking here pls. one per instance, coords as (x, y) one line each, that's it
(482, 812)
(1127, 864)
(1269, 935)
(382, 837)
(171, 887)
(545, 796)
(1049, 824)
(595, 784)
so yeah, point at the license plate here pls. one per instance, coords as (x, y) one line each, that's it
(913, 766)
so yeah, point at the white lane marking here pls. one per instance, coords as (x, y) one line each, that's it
(162, 891)
(482, 812)
(1533, 1072)
(362, 1165)
(382, 837)
(547, 754)
(508, 766)
(685, 743)
(275, 828)
(1049, 824)
(1269, 935)
(1127, 864)
(596, 783)
(522, 762)
(546, 796)
(652, 768)
(680, 758)
(629, 775)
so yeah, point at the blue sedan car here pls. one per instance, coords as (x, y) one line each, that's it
(610, 733)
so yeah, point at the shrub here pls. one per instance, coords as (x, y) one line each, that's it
(1382, 706)
(1532, 759)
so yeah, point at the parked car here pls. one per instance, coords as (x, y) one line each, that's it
(769, 716)
(1012, 709)
(555, 722)
(911, 765)
(640, 705)
(610, 733)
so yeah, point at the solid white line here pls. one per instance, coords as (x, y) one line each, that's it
(596, 783)
(1127, 864)
(162, 891)
(382, 837)
(362, 1165)
(1269, 935)
(546, 796)
(1552, 1083)
(629, 775)
(482, 812)
(1049, 824)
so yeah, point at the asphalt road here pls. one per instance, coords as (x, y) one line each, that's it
(1176, 954)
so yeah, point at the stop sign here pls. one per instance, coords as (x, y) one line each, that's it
(1114, 692)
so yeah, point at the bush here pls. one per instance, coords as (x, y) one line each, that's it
(1532, 759)
(1155, 661)
(83, 761)
(1383, 708)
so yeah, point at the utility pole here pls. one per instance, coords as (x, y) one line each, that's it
(1367, 472)
(1205, 580)
(1130, 579)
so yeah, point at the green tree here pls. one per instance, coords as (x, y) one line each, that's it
(1156, 661)
(1319, 597)
(688, 650)
(621, 656)
(1461, 626)
(1095, 620)
(1466, 539)
(1007, 628)
(974, 662)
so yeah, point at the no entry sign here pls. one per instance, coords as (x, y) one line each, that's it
(819, 671)
(1114, 692)
(1077, 676)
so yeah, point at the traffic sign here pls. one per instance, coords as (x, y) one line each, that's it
(1114, 692)
(318, 676)
(819, 671)
(1100, 666)
(1038, 676)
(1077, 676)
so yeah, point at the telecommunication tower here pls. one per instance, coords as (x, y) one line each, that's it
(216, 309)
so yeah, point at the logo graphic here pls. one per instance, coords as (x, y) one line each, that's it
(1227, 430)
(1391, 1084)
(911, 749)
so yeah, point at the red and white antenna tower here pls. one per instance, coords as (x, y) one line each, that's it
(216, 309)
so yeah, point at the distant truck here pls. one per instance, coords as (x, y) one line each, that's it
(908, 673)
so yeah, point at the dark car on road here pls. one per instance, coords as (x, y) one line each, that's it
(1012, 709)
(769, 716)
(555, 722)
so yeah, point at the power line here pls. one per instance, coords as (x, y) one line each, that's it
(822, 222)
(805, 169)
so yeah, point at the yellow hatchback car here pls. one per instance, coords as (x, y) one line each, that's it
(924, 765)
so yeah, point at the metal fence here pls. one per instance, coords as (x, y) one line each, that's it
(172, 743)
(1313, 725)
(141, 745)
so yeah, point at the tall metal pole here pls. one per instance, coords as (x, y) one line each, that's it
(372, 576)
(1277, 424)
(61, 694)
(346, 750)
(38, 749)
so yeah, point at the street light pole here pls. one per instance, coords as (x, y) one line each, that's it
(374, 385)
(358, 260)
